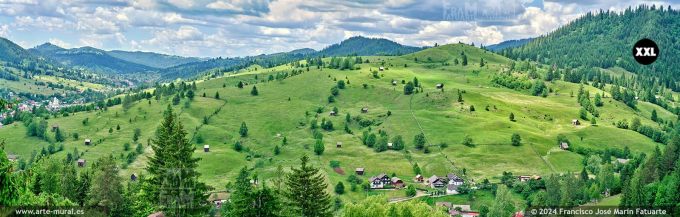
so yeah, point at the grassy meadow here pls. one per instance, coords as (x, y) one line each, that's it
(284, 108)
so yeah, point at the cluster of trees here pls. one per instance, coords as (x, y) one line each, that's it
(656, 182)
(379, 142)
(649, 131)
(583, 99)
(304, 194)
(346, 63)
(412, 86)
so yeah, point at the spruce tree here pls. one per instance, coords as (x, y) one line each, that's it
(254, 91)
(106, 190)
(306, 191)
(173, 185)
(9, 188)
(243, 131)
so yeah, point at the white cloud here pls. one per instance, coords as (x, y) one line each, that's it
(4, 30)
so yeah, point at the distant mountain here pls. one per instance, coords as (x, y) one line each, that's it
(89, 58)
(151, 59)
(508, 44)
(11, 52)
(363, 46)
(352, 46)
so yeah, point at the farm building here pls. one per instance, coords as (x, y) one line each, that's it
(332, 113)
(564, 145)
(133, 177)
(379, 181)
(338, 145)
(394, 82)
(453, 179)
(157, 214)
(81, 162)
(419, 178)
(436, 182)
(462, 210)
(397, 182)
(55, 127)
(622, 160)
(218, 198)
(12, 157)
(359, 171)
(439, 86)
(389, 145)
(88, 142)
(364, 110)
(575, 122)
(206, 148)
(525, 178)
(381, 69)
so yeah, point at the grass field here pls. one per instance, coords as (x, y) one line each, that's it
(286, 107)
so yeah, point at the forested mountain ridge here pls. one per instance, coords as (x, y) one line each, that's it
(353, 46)
(508, 44)
(89, 58)
(11, 52)
(152, 59)
(605, 39)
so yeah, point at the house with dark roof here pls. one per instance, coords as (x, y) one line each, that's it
(380, 181)
(397, 182)
(419, 178)
(453, 179)
(436, 182)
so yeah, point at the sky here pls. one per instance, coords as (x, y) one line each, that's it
(212, 28)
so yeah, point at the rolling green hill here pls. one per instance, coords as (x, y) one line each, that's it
(363, 46)
(294, 97)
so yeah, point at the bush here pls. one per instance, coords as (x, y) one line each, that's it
(340, 188)
(410, 191)
(516, 139)
(467, 141)
(335, 164)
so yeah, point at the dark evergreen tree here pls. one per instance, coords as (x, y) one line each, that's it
(306, 191)
(173, 184)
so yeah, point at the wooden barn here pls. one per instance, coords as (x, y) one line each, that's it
(338, 145)
(359, 171)
(364, 110)
(206, 148)
(439, 86)
(81, 162)
(564, 145)
(88, 142)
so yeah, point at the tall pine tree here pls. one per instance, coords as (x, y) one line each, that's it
(173, 184)
(306, 191)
